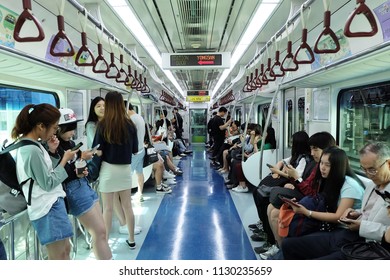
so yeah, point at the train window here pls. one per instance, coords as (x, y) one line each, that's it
(301, 114)
(364, 115)
(12, 100)
(238, 115)
(262, 113)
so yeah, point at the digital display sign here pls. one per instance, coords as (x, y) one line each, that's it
(197, 92)
(196, 60)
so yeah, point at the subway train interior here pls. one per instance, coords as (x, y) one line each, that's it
(290, 65)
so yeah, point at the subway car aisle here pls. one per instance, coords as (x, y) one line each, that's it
(199, 220)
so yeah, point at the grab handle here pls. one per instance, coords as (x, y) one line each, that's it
(362, 8)
(327, 31)
(101, 65)
(61, 37)
(27, 15)
(304, 46)
(83, 51)
(288, 63)
(113, 71)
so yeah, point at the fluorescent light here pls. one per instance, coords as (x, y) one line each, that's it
(131, 21)
(262, 14)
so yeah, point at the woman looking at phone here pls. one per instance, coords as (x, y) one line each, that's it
(82, 200)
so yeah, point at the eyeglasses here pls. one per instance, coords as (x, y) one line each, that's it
(372, 171)
(385, 195)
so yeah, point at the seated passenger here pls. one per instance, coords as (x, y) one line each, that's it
(370, 221)
(317, 142)
(336, 183)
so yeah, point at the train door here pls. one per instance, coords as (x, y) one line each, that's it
(294, 116)
(198, 125)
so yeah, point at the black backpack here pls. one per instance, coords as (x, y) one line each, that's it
(8, 169)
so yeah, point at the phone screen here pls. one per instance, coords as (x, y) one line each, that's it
(269, 165)
(77, 146)
(290, 201)
(94, 149)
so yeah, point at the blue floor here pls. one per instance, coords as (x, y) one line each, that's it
(198, 220)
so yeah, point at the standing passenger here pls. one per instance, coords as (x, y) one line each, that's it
(118, 143)
(82, 200)
(96, 113)
(47, 211)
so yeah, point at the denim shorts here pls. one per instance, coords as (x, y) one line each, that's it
(55, 225)
(137, 162)
(80, 197)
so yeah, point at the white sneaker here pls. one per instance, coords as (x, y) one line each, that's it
(240, 189)
(124, 230)
(167, 175)
(170, 182)
(270, 253)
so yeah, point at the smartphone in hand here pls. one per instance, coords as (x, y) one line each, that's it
(77, 146)
(269, 165)
(285, 163)
(289, 201)
(94, 149)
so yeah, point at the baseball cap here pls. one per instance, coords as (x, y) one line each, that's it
(67, 116)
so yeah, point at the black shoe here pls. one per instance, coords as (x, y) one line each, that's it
(212, 158)
(131, 244)
(229, 183)
(254, 226)
(262, 249)
(257, 230)
(188, 152)
(259, 236)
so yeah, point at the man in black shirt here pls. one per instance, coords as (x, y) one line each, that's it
(219, 128)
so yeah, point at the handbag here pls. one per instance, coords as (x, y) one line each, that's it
(264, 190)
(150, 156)
(365, 251)
(94, 168)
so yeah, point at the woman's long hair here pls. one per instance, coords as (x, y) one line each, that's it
(114, 125)
(300, 146)
(339, 168)
(92, 117)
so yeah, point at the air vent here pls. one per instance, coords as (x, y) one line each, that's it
(195, 16)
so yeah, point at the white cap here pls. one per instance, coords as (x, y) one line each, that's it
(67, 116)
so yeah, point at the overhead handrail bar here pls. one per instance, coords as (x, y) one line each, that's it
(362, 8)
(304, 45)
(84, 52)
(61, 37)
(27, 15)
(100, 26)
(327, 31)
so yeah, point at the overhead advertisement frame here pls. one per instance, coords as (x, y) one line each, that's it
(195, 60)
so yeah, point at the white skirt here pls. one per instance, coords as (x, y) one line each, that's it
(114, 177)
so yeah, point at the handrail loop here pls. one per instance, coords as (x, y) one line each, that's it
(101, 65)
(113, 71)
(362, 8)
(327, 31)
(27, 15)
(84, 52)
(146, 88)
(268, 74)
(130, 78)
(304, 45)
(122, 73)
(276, 68)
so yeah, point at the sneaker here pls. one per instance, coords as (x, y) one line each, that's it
(141, 198)
(183, 155)
(167, 175)
(138, 196)
(124, 230)
(240, 189)
(170, 182)
(270, 253)
(262, 249)
(163, 189)
(177, 157)
(178, 171)
(131, 244)
(256, 225)
(261, 236)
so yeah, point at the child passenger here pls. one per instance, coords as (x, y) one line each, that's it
(47, 211)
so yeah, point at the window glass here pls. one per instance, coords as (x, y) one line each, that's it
(364, 115)
(301, 114)
(13, 100)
